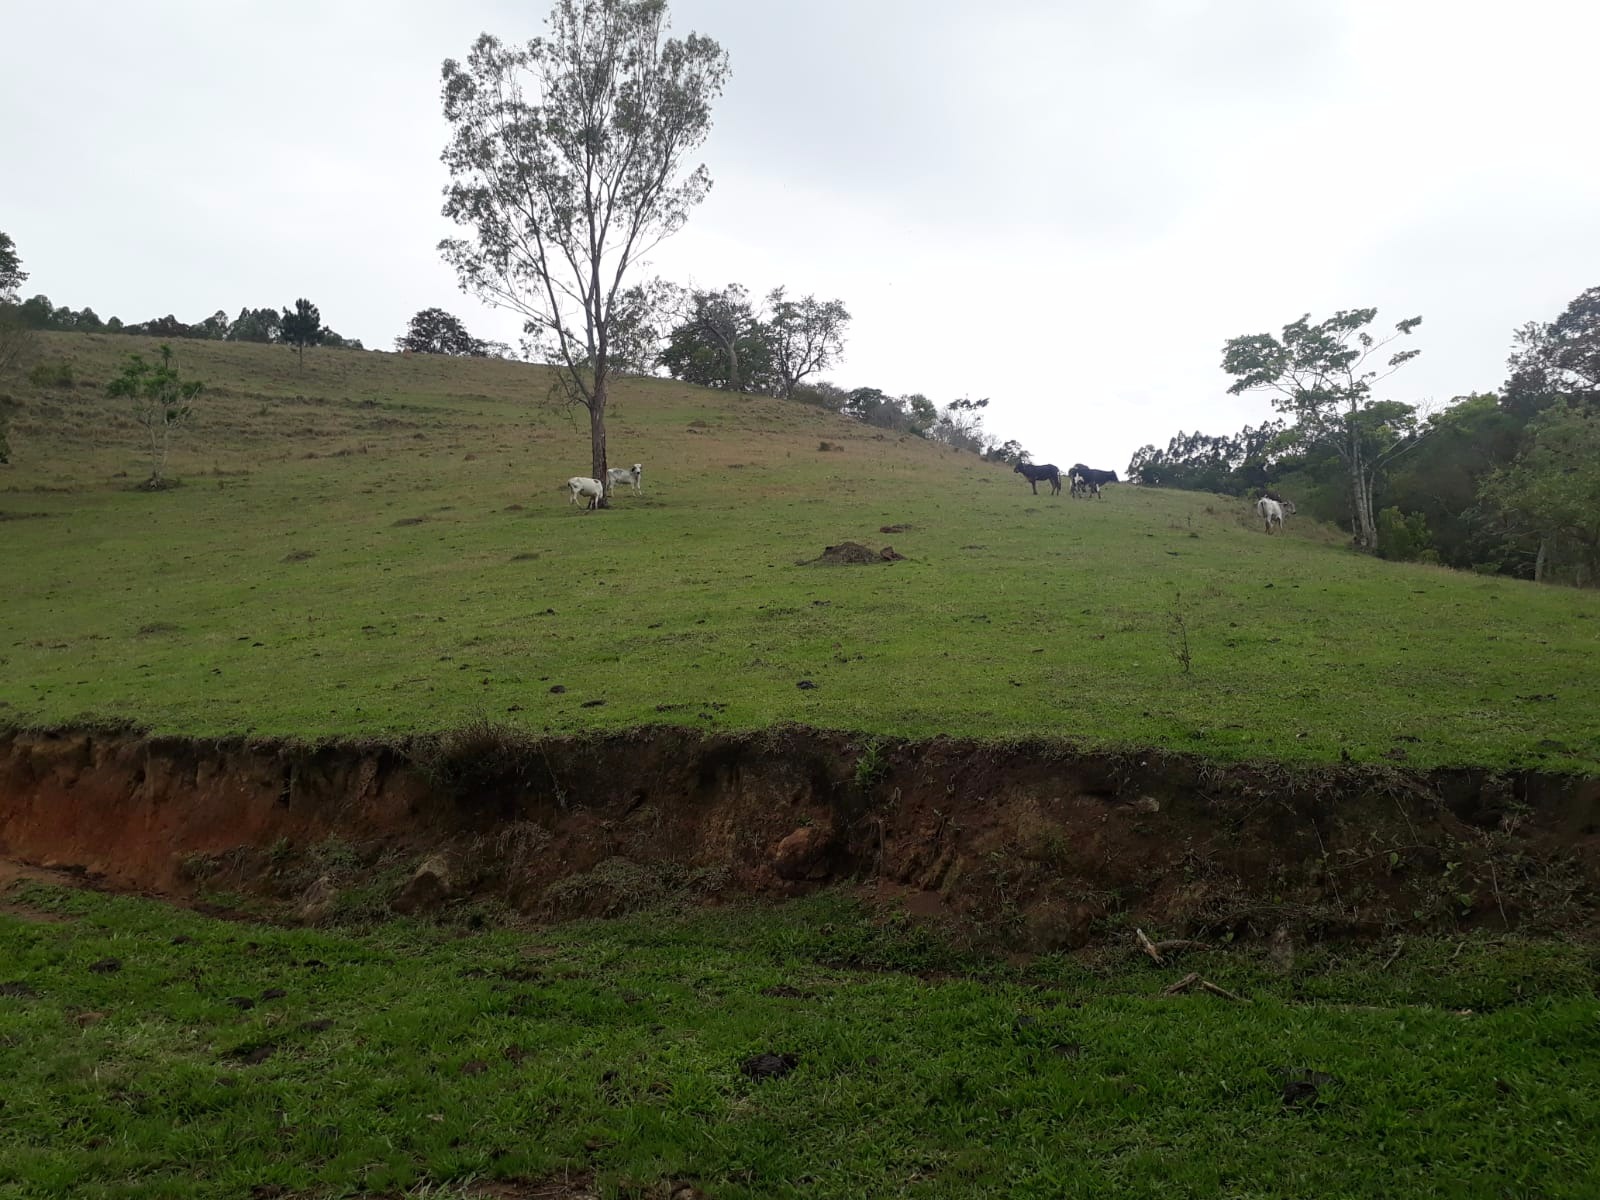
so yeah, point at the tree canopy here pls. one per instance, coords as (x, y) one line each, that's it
(11, 273)
(300, 327)
(434, 331)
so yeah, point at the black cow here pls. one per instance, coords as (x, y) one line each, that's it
(1086, 481)
(1034, 474)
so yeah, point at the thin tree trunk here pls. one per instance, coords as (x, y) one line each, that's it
(597, 435)
(1541, 562)
(733, 364)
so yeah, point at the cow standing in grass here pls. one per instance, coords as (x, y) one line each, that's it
(1034, 474)
(1273, 512)
(1086, 481)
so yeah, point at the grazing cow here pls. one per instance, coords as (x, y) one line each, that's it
(582, 485)
(624, 476)
(1034, 474)
(1092, 479)
(1273, 511)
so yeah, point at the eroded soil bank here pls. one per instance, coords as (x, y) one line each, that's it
(1036, 846)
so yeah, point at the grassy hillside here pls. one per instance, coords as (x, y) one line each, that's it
(379, 545)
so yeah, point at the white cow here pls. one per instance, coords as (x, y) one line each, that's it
(1273, 511)
(582, 485)
(624, 476)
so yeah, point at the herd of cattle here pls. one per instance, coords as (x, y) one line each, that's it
(1085, 482)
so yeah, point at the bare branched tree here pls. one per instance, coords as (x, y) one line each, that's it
(566, 160)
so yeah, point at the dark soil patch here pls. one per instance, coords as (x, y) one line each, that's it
(409, 521)
(769, 1066)
(299, 555)
(23, 516)
(785, 992)
(524, 557)
(251, 1053)
(242, 1003)
(274, 994)
(157, 627)
(106, 966)
(320, 1025)
(21, 991)
(850, 554)
(475, 1067)
(895, 528)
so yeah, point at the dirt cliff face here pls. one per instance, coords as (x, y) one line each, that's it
(1040, 847)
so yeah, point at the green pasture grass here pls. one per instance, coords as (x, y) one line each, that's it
(154, 1052)
(381, 545)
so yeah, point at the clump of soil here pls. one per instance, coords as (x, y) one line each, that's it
(850, 554)
(894, 528)
(769, 1066)
(404, 521)
(299, 555)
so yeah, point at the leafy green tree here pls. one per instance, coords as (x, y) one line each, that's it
(255, 325)
(1228, 464)
(162, 404)
(36, 312)
(1552, 491)
(434, 331)
(726, 321)
(566, 160)
(921, 414)
(805, 336)
(301, 327)
(1008, 452)
(719, 348)
(11, 273)
(1558, 359)
(1440, 481)
(1319, 374)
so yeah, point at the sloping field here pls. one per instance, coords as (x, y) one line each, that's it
(379, 546)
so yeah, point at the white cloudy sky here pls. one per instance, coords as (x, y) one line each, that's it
(1065, 206)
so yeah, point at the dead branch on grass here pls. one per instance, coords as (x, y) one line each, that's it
(1193, 980)
(1149, 947)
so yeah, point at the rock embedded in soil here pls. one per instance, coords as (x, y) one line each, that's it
(317, 902)
(426, 890)
(803, 853)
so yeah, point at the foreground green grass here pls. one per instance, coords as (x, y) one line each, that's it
(379, 546)
(411, 1059)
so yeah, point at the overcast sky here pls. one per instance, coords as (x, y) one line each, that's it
(1066, 207)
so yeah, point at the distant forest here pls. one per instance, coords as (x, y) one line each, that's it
(1503, 482)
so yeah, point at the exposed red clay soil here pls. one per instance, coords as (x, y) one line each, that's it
(1040, 847)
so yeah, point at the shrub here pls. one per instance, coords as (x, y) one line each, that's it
(1402, 537)
(52, 374)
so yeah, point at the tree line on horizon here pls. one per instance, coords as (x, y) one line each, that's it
(1500, 482)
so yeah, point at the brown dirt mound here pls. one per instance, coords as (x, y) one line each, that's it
(851, 554)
